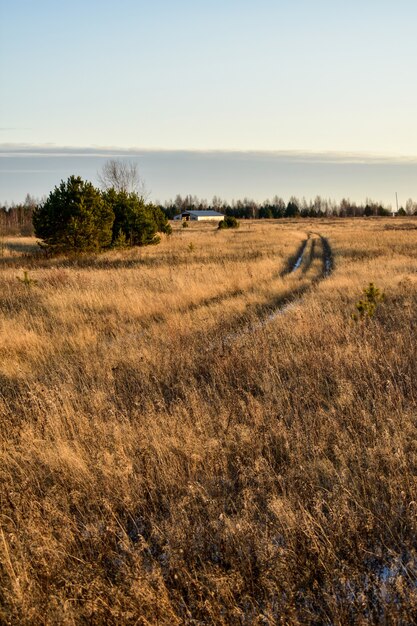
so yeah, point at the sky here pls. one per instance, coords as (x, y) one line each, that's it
(307, 77)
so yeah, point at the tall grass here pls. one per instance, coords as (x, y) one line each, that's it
(158, 467)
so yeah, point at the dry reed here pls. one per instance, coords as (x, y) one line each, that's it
(159, 466)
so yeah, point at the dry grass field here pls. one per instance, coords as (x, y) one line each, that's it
(192, 433)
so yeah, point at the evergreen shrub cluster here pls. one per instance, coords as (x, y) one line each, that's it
(229, 222)
(77, 217)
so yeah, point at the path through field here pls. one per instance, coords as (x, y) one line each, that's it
(313, 247)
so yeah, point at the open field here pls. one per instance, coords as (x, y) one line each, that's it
(193, 433)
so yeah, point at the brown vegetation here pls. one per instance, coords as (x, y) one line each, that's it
(158, 467)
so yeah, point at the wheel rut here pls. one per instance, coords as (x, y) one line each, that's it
(295, 260)
(302, 260)
(314, 248)
(300, 263)
(292, 264)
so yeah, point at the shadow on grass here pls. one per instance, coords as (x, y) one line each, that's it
(21, 246)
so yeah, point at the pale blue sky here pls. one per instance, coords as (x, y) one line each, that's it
(311, 75)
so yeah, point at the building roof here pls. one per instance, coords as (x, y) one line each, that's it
(203, 213)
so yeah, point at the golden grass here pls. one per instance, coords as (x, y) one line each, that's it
(170, 455)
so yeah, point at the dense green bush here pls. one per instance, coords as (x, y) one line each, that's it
(77, 217)
(229, 222)
(74, 218)
(135, 222)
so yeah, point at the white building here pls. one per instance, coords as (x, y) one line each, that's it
(200, 216)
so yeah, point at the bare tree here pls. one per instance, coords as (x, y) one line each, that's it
(122, 176)
(411, 207)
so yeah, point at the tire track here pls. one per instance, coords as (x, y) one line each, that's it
(292, 265)
(295, 261)
(301, 262)
(328, 261)
(296, 294)
(264, 313)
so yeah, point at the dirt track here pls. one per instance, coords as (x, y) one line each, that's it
(301, 262)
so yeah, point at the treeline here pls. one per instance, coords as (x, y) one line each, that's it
(17, 219)
(278, 208)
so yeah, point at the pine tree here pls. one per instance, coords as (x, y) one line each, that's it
(136, 223)
(74, 218)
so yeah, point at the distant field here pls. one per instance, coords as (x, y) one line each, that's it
(199, 433)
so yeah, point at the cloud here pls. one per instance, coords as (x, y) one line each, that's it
(288, 156)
